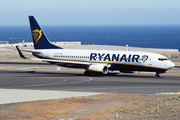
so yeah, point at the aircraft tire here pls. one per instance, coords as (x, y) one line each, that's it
(87, 73)
(157, 75)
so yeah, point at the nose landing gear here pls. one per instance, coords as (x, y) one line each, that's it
(157, 75)
(159, 72)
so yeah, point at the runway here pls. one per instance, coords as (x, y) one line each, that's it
(26, 64)
(139, 83)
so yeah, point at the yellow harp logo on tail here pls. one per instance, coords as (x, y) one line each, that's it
(36, 35)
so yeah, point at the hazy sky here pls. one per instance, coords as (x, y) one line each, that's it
(90, 12)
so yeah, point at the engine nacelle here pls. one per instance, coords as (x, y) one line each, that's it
(101, 68)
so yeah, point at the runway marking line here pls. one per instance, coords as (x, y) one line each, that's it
(89, 79)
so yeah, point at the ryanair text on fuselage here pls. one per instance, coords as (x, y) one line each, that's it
(117, 57)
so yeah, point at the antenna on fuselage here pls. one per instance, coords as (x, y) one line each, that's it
(127, 47)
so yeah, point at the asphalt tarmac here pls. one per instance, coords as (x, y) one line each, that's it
(26, 64)
(75, 81)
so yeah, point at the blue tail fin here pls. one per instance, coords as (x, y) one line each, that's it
(39, 38)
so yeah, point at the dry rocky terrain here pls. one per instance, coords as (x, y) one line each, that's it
(108, 106)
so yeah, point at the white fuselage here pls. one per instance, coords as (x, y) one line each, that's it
(118, 60)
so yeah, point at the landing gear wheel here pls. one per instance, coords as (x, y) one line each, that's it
(87, 73)
(157, 75)
(107, 73)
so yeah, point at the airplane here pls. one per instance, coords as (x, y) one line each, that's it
(94, 61)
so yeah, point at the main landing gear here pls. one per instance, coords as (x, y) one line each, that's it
(87, 73)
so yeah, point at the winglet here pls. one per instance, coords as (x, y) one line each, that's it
(20, 53)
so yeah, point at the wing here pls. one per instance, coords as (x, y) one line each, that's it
(56, 62)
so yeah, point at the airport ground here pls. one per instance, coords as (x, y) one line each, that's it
(127, 95)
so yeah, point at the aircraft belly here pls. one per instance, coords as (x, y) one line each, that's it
(136, 68)
(69, 65)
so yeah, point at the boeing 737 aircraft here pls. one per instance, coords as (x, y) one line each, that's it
(94, 61)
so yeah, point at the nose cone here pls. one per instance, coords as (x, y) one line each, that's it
(170, 65)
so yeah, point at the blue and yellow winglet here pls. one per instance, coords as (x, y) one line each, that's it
(20, 53)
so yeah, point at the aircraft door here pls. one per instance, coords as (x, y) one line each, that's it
(150, 61)
(48, 54)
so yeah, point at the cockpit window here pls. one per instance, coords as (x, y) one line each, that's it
(162, 59)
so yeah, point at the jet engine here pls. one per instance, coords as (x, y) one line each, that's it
(101, 68)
